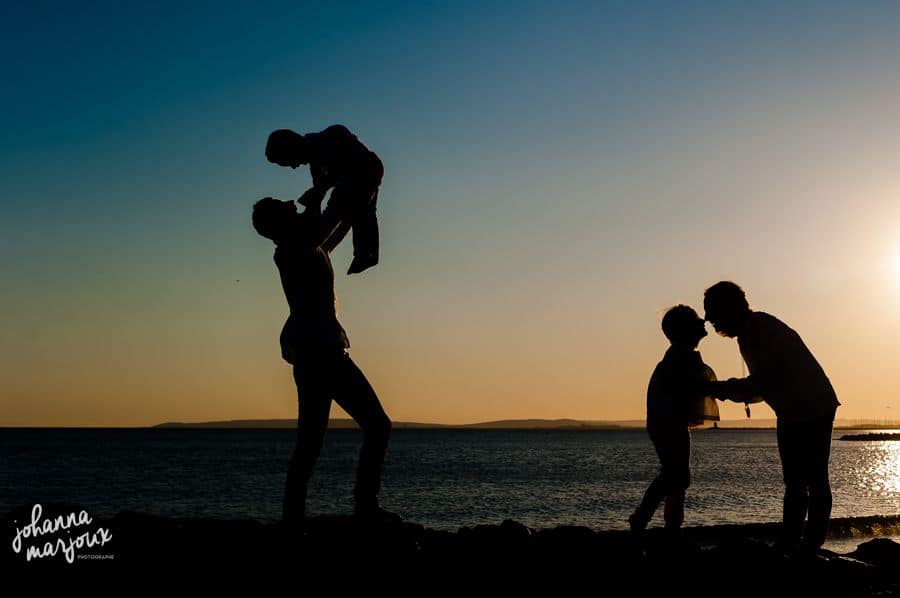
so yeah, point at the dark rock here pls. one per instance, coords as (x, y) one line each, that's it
(881, 552)
(514, 529)
(357, 550)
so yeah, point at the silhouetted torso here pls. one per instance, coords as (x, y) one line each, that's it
(308, 281)
(676, 380)
(784, 371)
(340, 157)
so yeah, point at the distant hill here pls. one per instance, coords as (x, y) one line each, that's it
(505, 424)
(549, 424)
(508, 424)
(280, 423)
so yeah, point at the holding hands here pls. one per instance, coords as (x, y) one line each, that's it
(738, 390)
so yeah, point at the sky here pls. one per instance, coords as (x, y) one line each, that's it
(557, 175)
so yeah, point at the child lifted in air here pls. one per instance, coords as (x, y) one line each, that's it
(337, 160)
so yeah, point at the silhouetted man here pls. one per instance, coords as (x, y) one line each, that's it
(337, 158)
(315, 343)
(784, 374)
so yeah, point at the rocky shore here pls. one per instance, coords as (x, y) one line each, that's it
(709, 560)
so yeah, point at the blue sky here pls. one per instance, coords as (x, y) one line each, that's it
(557, 173)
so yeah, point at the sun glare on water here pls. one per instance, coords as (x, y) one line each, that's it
(884, 458)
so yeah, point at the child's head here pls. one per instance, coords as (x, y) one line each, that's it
(272, 218)
(286, 148)
(682, 326)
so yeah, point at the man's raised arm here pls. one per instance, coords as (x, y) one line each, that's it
(323, 226)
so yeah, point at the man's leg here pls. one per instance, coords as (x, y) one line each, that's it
(819, 451)
(790, 448)
(356, 396)
(314, 405)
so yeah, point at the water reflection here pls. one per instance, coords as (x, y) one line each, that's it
(882, 467)
(865, 477)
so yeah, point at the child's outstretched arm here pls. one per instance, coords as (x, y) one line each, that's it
(739, 390)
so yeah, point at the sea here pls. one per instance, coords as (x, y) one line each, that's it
(441, 478)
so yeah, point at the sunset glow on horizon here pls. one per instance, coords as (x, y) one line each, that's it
(555, 179)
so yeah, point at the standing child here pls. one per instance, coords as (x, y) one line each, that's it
(675, 400)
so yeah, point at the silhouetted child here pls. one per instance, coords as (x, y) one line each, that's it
(676, 399)
(338, 159)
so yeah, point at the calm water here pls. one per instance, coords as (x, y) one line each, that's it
(444, 479)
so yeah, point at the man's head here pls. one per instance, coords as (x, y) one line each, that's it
(726, 308)
(286, 148)
(274, 219)
(682, 326)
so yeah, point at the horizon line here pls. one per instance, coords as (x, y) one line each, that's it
(528, 423)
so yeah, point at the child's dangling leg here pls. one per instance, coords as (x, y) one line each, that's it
(365, 233)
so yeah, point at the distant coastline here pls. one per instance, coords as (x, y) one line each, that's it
(871, 436)
(508, 424)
